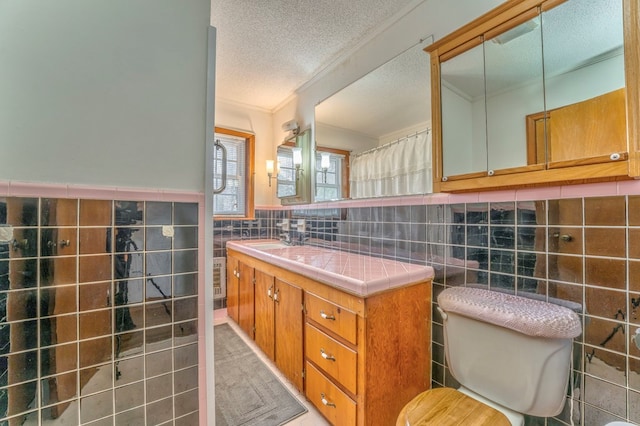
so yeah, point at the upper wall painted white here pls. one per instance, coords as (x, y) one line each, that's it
(104, 92)
(260, 123)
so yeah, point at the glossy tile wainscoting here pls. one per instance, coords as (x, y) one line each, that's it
(98, 312)
(583, 252)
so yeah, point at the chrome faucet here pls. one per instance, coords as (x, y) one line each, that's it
(286, 238)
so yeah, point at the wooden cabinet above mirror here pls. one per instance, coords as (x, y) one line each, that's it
(537, 93)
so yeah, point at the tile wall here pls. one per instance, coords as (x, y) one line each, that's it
(98, 312)
(581, 252)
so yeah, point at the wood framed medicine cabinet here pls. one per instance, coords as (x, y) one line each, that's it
(515, 104)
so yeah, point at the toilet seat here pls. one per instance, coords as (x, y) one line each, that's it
(447, 406)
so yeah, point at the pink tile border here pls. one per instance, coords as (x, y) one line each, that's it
(543, 193)
(627, 187)
(27, 189)
(470, 197)
(34, 189)
(506, 195)
(589, 190)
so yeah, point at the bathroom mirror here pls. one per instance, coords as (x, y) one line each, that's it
(294, 168)
(464, 147)
(385, 105)
(523, 92)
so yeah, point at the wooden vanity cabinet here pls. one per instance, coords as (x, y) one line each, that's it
(383, 340)
(278, 324)
(265, 313)
(240, 294)
(246, 310)
(232, 288)
(358, 359)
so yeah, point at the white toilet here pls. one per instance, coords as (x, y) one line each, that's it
(507, 352)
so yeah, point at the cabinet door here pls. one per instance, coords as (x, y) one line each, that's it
(577, 132)
(232, 288)
(289, 331)
(264, 311)
(246, 299)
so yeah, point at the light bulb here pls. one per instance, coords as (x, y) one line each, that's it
(297, 156)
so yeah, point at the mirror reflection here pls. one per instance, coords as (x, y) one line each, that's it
(583, 77)
(286, 172)
(462, 92)
(389, 105)
(530, 93)
(332, 174)
(73, 346)
(513, 75)
(294, 162)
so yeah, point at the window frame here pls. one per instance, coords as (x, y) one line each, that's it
(250, 174)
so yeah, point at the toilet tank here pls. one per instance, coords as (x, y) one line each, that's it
(512, 350)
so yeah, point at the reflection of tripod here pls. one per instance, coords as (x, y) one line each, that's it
(122, 269)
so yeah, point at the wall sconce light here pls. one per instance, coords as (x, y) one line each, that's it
(325, 163)
(270, 171)
(297, 160)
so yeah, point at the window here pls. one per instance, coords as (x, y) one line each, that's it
(332, 183)
(236, 200)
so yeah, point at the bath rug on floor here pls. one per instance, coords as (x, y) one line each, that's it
(247, 392)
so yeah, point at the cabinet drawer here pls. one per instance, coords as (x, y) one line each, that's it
(332, 317)
(334, 404)
(335, 359)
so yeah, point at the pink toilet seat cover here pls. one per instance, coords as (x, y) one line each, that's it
(521, 314)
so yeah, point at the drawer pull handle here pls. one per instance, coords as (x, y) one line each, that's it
(325, 402)
(327, 317)
(326, 356)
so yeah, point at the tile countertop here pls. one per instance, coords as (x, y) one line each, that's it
(354, 273)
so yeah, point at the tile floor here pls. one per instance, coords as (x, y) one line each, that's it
(311, 417)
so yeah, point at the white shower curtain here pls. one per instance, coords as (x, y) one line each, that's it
(398, 168)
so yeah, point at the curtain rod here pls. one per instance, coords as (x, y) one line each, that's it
(386, 145)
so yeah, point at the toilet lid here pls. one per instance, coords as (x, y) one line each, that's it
(527, 316)
(449, 407)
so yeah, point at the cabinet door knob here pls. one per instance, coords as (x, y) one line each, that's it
(269, 292)
(276, 296)
(563, 237)
(326, 402)
(20, 245)
(326, 356)
(62, 243)
(327, 316)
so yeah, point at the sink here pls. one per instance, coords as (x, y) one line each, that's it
(268, 245)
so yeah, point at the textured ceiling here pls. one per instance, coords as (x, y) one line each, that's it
(266, 49)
